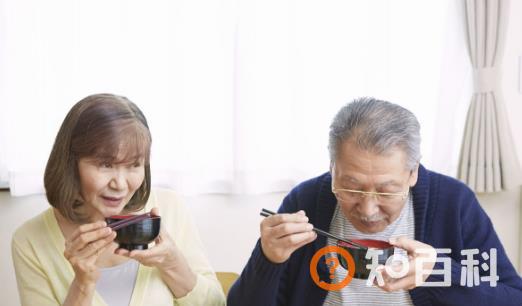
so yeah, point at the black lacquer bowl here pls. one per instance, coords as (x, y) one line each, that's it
(138, 235)
(359, 255)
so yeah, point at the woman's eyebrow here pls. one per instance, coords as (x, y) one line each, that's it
(130, 160)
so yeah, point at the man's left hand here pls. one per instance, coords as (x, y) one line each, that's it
(421, 259)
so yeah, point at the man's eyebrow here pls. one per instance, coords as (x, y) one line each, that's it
(347, 178)
(389, 183)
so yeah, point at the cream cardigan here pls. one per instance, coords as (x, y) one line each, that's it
(44, 275)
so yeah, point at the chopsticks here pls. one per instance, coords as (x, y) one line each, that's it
(267, 213)
(128, 221)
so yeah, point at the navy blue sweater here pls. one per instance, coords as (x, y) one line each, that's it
(447, 215)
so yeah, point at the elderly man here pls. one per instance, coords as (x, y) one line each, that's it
(376, 189)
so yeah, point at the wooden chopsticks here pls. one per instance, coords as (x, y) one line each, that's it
(267, 213)
(128, 221)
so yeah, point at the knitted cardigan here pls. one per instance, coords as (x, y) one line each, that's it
(447, 215)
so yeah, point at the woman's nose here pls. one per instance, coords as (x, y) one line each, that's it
(118, 180)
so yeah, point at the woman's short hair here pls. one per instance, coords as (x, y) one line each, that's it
(100, 126)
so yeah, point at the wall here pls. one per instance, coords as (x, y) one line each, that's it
(505, 207)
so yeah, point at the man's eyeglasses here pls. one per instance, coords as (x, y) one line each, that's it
(349, 195)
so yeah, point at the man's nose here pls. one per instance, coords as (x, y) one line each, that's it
(368, 206)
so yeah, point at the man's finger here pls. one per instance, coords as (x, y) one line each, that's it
(285, 229)
(404, 283)
(274, 220)
(407, 244)
(295, 240)
(313, 236)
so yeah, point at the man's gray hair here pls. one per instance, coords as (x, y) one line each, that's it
(377, 126)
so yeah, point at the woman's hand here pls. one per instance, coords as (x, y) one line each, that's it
(420, 255)
(168, 259)
(83, 248)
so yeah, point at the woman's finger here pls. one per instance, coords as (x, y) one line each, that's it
(85, 239)
(154, 211)
(84, 228)
(94, 257)
(96, 247)
(121, 252)
(140, 255)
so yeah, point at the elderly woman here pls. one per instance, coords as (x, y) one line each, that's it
(99, 167)
(377, 189)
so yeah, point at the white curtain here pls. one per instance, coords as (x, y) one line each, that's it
(488, 161)
(239, 94)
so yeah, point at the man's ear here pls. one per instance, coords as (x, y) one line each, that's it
(414, 175)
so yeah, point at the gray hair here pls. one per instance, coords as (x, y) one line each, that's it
(377, 126)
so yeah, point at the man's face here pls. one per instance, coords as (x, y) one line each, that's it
(361, 170)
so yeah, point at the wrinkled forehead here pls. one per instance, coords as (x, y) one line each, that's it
(366, 167)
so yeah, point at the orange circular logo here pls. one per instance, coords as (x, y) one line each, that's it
(315, 260)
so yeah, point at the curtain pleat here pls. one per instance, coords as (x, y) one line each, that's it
(488, 161)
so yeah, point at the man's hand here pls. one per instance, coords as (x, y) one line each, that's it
(419, 254)
(282, 234)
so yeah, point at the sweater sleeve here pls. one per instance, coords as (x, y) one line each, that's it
(182, 228)
(33, 285)
(477, 233)
(262, 282)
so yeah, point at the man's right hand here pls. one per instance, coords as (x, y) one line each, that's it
(282, 234)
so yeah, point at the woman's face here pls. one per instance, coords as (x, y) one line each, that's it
(107, 187)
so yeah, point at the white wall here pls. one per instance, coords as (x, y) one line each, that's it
(14, 212)
(505, 207)
(229, 225)
(504, 210)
